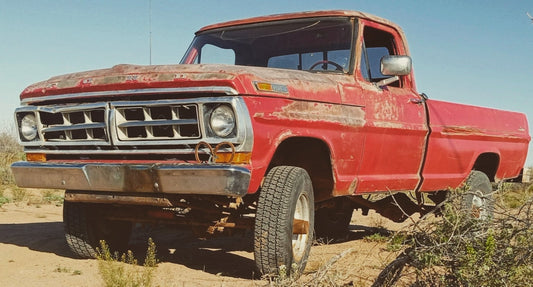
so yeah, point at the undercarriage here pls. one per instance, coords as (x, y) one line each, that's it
(209, 215)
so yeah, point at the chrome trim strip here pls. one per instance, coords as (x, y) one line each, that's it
(62, 108)
(165, 178)
(73, 127)
(187, 149)
(211, 89)
(157, 123)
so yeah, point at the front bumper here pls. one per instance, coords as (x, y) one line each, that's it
(202, 179)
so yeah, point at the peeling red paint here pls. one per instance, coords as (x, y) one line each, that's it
(319, 112)
(463, 130)
(301, 84)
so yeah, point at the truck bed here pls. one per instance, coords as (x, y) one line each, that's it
(460, 134)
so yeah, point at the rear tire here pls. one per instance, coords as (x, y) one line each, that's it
(85, 227)
(477, 201)
(284, 222)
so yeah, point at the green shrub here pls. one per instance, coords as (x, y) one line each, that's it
(396, 242)
(10, 151)
(51, 197)
(3, 199)
(19, 194)
(456, 250)
(122, 270)
(376, 237)
(514, 195)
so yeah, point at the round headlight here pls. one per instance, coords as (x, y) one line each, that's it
(28, 127)
(222, 121)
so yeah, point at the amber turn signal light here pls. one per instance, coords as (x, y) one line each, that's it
(36, 157)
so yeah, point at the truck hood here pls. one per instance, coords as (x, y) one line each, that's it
(245, 80)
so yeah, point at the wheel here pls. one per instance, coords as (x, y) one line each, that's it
(331, 222)
(284, 221)
(84, 228)
(327, 62)
(477, 200)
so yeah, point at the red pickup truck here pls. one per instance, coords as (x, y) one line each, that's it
(283, 124)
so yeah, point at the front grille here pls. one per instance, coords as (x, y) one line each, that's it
(73, 125)
(157, 122)
(130, 129)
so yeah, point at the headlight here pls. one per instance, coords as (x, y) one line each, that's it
(222, 120)
(28, 127)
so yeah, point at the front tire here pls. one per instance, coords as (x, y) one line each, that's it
(85, 227)
(284, 222)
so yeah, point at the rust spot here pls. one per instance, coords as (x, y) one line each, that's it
(461, 130)
(353, 186)
(389, 125)
(352, 116)
(387, 110)
(66, 83)
(300, 226)
(110, 80)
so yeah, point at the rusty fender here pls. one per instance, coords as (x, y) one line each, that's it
(350, 116)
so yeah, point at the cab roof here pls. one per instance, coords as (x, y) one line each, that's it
(300, 15)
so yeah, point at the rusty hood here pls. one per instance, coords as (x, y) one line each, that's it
(243, 80)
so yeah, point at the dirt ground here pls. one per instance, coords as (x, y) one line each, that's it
(33, 252)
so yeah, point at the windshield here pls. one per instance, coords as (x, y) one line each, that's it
(316, 44)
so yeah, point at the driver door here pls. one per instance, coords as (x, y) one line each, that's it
(395, 128)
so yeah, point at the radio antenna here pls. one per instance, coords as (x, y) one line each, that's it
(150, 32)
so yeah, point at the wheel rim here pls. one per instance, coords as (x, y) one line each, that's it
(479, 208)
(301, 218)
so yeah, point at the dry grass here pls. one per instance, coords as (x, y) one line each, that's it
(456, 250)
(450, 250)
(10, 151)
(123, 271)
(514, 195)
(63, 269)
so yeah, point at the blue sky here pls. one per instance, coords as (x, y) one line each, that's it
(473, 52)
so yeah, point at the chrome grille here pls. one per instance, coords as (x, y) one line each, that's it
(124, 128)
(157, 122)
(73, 125)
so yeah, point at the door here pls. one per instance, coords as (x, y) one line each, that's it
(395, 118)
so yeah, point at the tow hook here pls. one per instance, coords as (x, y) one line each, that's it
(213, 152)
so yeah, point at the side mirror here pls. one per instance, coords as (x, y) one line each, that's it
(396, 65)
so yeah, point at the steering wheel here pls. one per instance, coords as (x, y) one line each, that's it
(327, 62)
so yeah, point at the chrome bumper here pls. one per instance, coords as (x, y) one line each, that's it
(160, 178)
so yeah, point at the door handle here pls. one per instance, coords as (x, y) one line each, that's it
(416, 101)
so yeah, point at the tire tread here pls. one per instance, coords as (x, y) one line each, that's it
(77, 232)
(274, 206)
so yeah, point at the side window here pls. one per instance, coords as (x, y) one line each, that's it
(365, 71)
(374, 55)
(216, 55)
(377, 44)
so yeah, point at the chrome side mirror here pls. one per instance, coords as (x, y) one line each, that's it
(396, 65)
